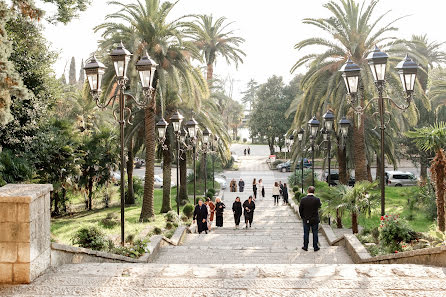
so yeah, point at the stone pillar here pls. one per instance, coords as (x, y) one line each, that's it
(25, 240)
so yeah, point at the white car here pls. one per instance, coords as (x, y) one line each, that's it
(234, 156)
(222, 182)
(158, 182)
(400, 179)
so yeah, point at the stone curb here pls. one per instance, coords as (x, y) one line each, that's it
(294, 207)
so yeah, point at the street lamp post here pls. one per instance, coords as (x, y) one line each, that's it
(176, 120)
(329, 121)
(206, 139)
(300, 137)
(377, 61)
(94, 71)
(214, 150)
(192, 126)
(313, 124)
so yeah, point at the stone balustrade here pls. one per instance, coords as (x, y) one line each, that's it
(25, 239)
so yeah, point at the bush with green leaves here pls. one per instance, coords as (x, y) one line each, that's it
(110, 221)
(171, 216)
(296, 189)
(169, 225)
(393, 231)
(295, 178)
(188, 210)
(136, 250)
(90, 237)
(427, 199)
(14, 169)
(157, 230)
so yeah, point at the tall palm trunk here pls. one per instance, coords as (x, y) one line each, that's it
(359, 148)
(210, 72)
(354, 222)
(183, 178)
(167, 172)
(342, 161)
(338, 219)
(438, 170)
(147, 211)
(424, 161)
(130, 198)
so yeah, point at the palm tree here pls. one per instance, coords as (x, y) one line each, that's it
(433, 138)
(144, 26)
(353, 34)
(212, 39)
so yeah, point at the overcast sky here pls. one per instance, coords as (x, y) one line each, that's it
(271, 29)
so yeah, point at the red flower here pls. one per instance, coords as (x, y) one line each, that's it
(396, 252)
(386, 216)
(382, 218)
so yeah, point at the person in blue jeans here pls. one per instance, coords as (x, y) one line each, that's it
(309, 212)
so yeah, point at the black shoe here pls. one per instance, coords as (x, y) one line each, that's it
(305, 249)
(206, 232)
(316, 249)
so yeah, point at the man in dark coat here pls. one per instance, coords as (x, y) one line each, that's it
(241, 185)
(309, 212)
(248, 211)
(237, 210)
(200, 216)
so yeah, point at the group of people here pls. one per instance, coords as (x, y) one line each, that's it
(280, 190)
(247, 151)
(204, 213)
(233, 185)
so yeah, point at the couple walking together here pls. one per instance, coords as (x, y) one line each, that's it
(248, 211)
(258, 186)
(204, 214)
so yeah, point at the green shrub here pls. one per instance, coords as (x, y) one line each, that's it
(169, 225)
(184, 218)
(90, 238)
(212, 190)
(171, 216)
(296, 189)
(157, 230)
(295, 178)
(169, 233)
(130, 238)
(110, 221)
(428, 200)
(392, 232)
(136, 250)
(188, 210)
(14, 169)
(298, 196)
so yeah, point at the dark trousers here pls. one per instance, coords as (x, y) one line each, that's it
(219, 221)
(249, 218)
(255, 193)
(314, 230)
(237, 219)
(263, 192)
(276, 198)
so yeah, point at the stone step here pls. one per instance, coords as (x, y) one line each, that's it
(117, 279)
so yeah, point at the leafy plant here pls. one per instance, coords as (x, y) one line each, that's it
(110, 221)
(90, 237)
(157, 230)
(393, 231)
(171, 216)
(169, 225)
(188, 210)
(136, 250)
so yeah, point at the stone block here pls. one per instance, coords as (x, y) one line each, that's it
(23, 214)
(5, 273)
(8, 212)
(21, 273)
(23, 253)
(14, 232)
(8, 252)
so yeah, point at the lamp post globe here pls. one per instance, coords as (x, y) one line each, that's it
(300, 134)
(377, 62)
(94, 70)
(329, 119)
(146, 68)
(206, 136)
(345, 124)
(121, 58)
(314, 126)
(176, 120)
(407, 70)
(191, 126)
(351, 73)
(161, 127)
(324, 134)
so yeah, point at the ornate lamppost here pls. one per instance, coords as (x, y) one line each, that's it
(300, 137)
(176, 120)
(95, 70)
(192, 127)
(206, 138)
(377, 61)
(313, 124)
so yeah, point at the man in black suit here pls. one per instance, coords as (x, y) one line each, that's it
(309, 212)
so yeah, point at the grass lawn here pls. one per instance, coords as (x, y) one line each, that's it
(200, 188)
(396, 203)
(63, 229)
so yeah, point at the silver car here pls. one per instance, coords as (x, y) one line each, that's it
(400, 179)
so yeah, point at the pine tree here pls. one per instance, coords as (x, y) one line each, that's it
(72, 74)
(81, 74)
(10, 81)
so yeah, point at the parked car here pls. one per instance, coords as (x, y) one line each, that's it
(222, 182)
(334, 179)
(158, 182)
(234, 156)
(400, 179)
(288, 165)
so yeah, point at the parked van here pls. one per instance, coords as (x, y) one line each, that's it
(400, 179)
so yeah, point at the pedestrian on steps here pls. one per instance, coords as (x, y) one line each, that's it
(211, 211)
(200, 216)
(276, 193)
(248, 211)
(281, 190)
(262, 188)
(249, 150)
(237, 210)
(219, 209)
(241, 185)
(285, 194)
(244, 152)
(309, 212)
(254, 188)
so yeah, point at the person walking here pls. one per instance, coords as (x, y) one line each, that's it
(276, 193)
(254, 188)
(309, 212)
(237, 210)
(241, 185)
(249, 150)
(248, 211)
(262, 188)
(281, 190)
(219, 209)
(200, 216)
(244, 152)
(285, 194)
(233, 185)
(211, 211)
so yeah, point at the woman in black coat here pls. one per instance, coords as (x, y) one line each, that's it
(248, 209)
(254, 188)
(200, 216)
(237, 210)
(219, 208)
(285, 193)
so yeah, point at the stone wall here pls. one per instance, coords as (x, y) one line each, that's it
(25, 239)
